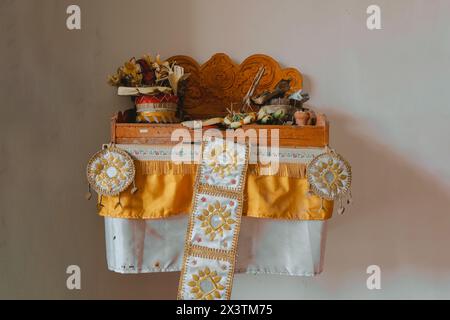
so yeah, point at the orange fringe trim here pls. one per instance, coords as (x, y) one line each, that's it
(292, 170)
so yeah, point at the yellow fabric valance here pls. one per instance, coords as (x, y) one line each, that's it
(165, 189)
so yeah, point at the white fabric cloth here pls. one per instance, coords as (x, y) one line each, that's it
(190, 152)
(265, 246)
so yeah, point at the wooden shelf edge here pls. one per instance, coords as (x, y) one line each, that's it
(154, 133)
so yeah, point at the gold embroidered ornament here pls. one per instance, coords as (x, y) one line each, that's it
(205, 285)
(330, 177)
(221, 160)
(215, 220)
(110, 171)
(214, 223)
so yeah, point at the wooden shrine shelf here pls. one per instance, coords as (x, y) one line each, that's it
(150, 133)
(212, 88)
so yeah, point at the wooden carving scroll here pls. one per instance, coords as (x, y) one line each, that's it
(213, 86)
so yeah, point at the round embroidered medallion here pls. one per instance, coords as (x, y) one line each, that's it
(110, 171)
(329, 175)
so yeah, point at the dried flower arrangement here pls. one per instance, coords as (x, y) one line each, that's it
(158, 85)
(277, 107)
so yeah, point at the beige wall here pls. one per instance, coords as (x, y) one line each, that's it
(384, 91)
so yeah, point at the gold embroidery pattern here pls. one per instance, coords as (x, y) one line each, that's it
(208, 266)
(110, 171)
(206, 285)
(222, 164)
(215, 220)
(221, 161)
(329, 176)
(117, 170)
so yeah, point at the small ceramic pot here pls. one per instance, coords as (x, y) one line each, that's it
(312, 118)
(301, 118)
(321, 120)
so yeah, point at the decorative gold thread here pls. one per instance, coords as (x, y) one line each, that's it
(207, 253)
(99, 180)
(205, 285)
(215, 220)
(317, 170)
(230, 278)
(216, 191)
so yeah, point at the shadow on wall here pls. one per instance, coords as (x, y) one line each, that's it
(399, 220)
(400, 216)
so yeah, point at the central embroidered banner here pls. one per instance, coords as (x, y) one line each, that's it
(213, 228)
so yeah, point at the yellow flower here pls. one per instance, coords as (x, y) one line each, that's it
(132, 72)
(148, 59)
(114, 80)
(131, 67)
(206, 285)
(222, 161)
(215, 220)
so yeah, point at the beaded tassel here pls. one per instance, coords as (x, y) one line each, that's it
(134, 189)
(99, 204)
(118, 203)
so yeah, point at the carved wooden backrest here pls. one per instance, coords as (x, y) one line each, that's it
(213, 86)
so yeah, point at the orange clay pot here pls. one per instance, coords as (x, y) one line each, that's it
(301, 118)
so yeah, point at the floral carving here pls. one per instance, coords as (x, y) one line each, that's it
(218, 83)
(205, 285)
